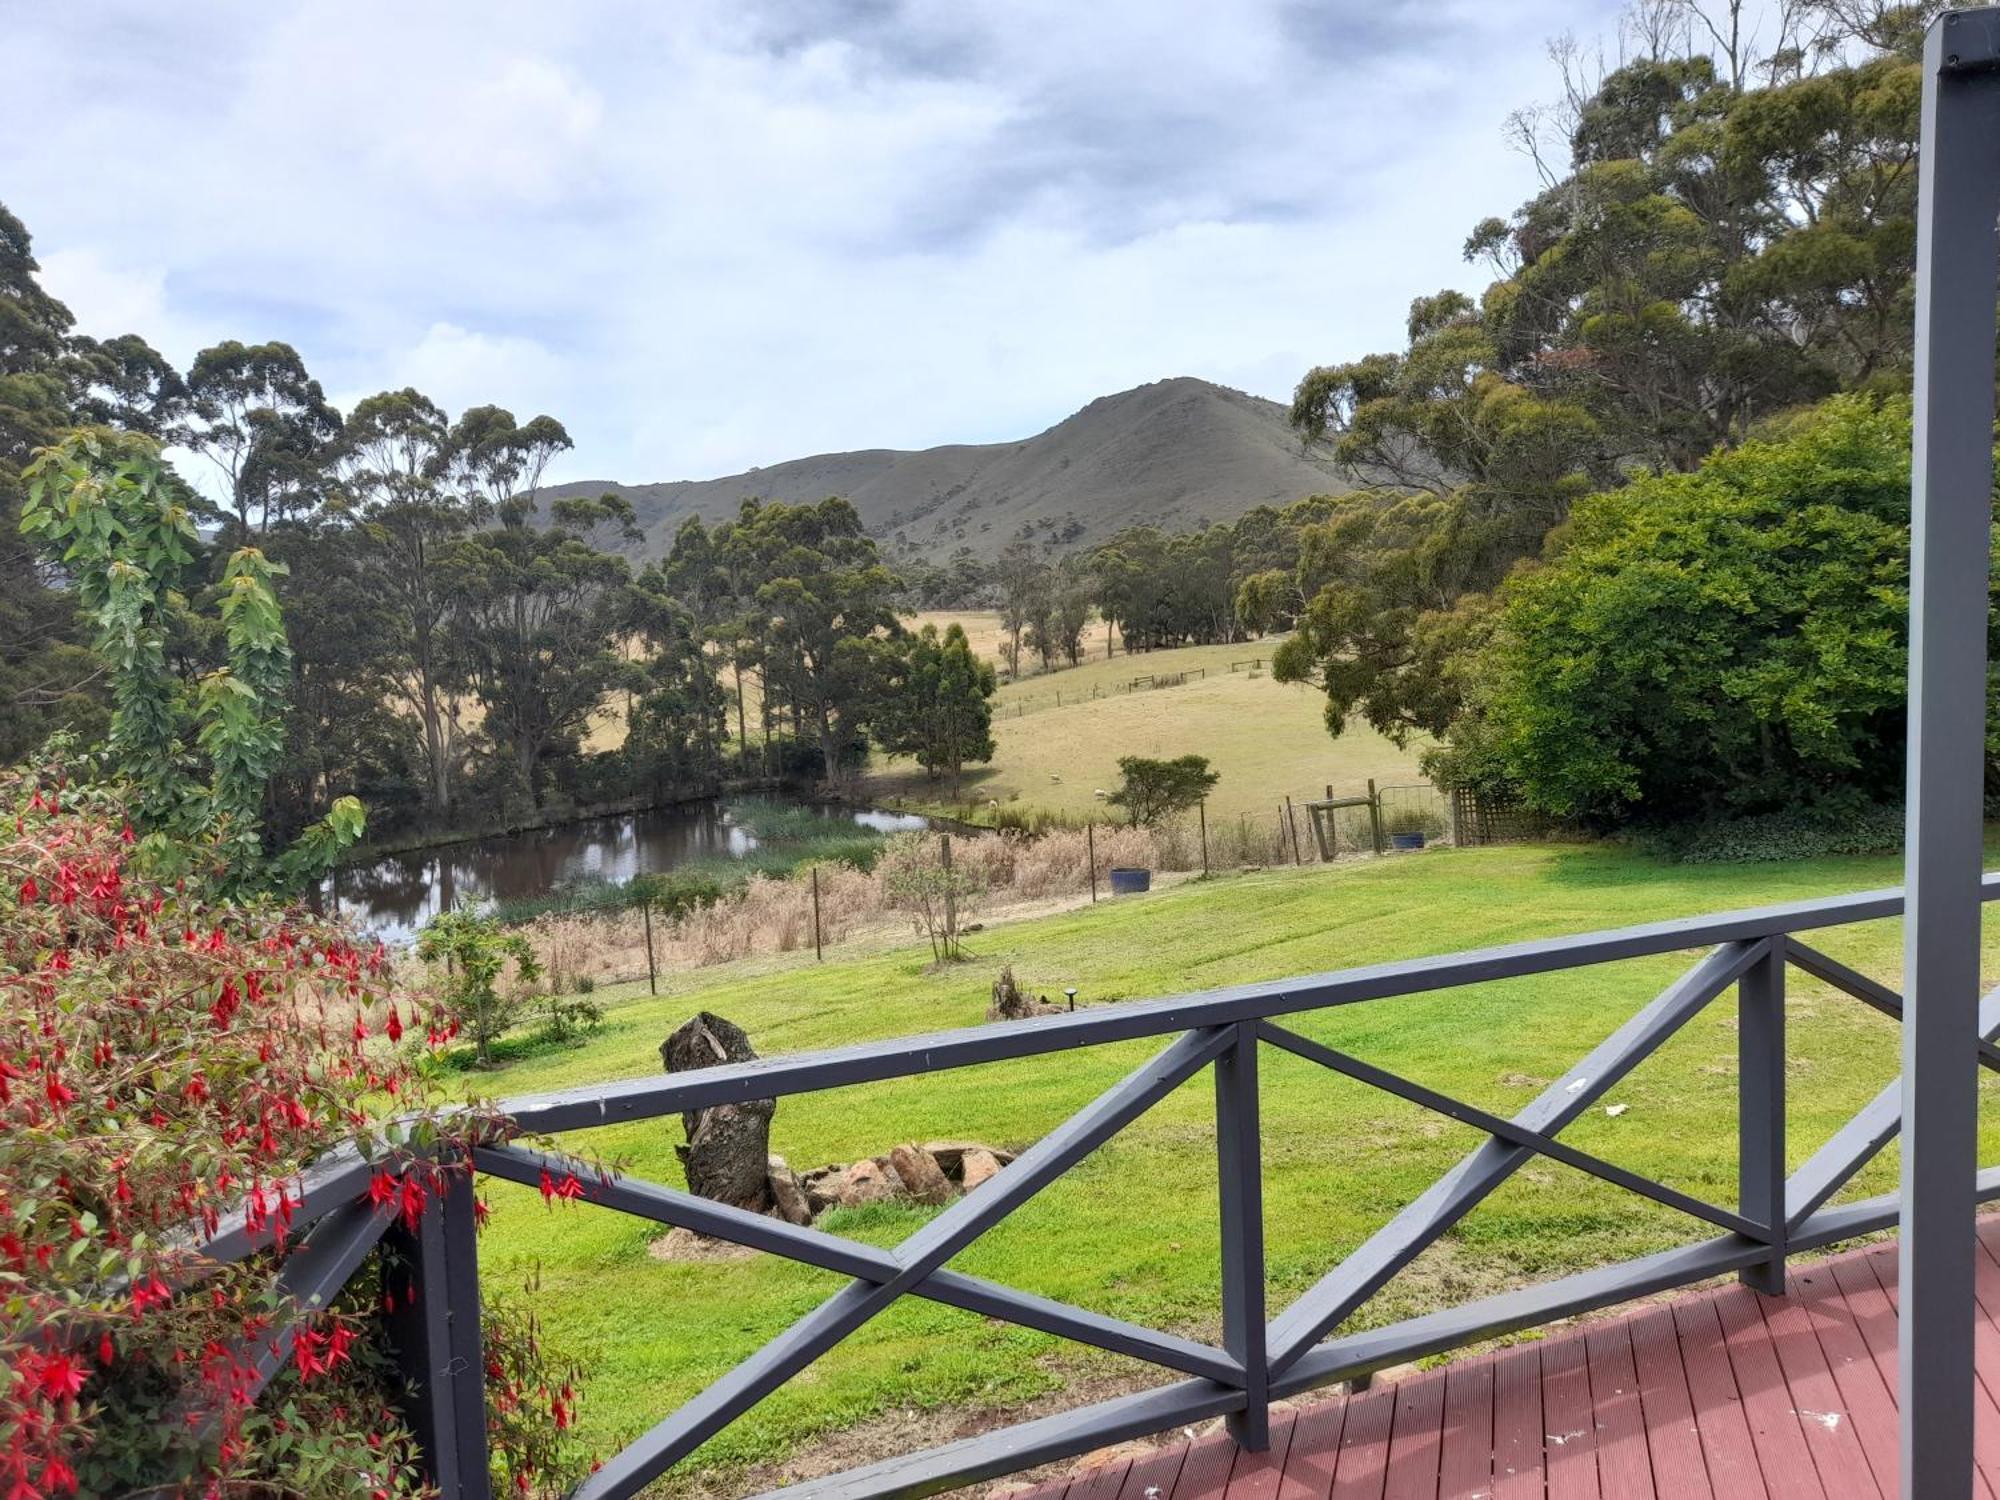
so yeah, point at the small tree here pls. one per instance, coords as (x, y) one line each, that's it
(1154, 790)
(918, 877)
(934, 701)
(475, 951)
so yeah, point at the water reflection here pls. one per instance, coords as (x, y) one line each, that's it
(396, 894)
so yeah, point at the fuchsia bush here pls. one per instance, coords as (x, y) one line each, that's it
(165, 1060)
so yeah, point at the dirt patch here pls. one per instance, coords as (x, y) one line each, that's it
(686, 1245)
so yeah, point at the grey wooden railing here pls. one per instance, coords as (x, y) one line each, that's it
(1260, 1358)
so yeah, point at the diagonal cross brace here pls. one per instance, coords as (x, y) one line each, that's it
(831, 1252)
(1334, 1298)
(1871, 992)
(917, 1259)
(1506, 1130)
(1875, 1124)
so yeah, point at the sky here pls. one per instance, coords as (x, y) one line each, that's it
(713, 234)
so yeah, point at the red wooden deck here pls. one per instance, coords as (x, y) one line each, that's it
(1722, 1394)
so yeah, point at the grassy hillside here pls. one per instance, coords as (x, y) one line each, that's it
(1177, 453)
(1133, 1232)
(1060, 736)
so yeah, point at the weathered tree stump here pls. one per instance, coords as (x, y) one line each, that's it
(1009, 1004)
(728, 1152)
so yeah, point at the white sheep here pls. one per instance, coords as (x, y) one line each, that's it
(1100, 794)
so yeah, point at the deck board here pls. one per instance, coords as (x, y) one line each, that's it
(1720, 1394)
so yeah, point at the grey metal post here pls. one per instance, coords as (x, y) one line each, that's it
(1760, 1110)
(1239, 1164)
(435, 1332)
(1958, 260)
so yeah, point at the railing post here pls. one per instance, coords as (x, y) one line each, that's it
(1958, 258)
(433, 1276)
(1240, 1167)
(1760, 1110)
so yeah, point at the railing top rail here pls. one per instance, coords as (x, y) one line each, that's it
(902, 1057)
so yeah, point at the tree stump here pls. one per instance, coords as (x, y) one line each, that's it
(728, 1152)
(1009, 1004)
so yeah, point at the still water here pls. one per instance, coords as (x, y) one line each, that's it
(395, 895)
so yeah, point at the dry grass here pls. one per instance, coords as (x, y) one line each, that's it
(1016, 876)
(1268, 740)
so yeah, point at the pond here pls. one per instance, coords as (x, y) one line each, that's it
(395, 894)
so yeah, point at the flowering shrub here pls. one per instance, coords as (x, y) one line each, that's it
(167, 1060)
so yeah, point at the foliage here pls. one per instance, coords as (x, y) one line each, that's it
(1152, 791)
(52, 379)
(1729, 641)
(1842, 826)
(1713, 253)
(932, 701)
(540, 609)
(920, 877)
(168, 1056)
(121, 525)
(476, 952)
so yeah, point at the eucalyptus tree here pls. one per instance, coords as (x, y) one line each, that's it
(263, 421)
(933, 701)
(540, 613)
(395, 456)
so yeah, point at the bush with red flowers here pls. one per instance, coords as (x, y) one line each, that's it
(168, 1059)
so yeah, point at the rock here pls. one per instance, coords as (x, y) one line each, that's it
(788, 1194)
(867, 1181)
(727, 1155)
(922, 1178)
(822, 1186)
(976, 1166)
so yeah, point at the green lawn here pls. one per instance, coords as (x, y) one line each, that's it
(1133, 1232)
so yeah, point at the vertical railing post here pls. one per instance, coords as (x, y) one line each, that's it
(1958, 258)
(432, 1275)
(1760, 1110)
(1240, 1175)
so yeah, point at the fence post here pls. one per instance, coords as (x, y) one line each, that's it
(1239, 1164)
(1760, 1110)
(1290, 819)
(1375, 814)
(950, 901)
(819, 954)
(1090, 858)
(1202, 808)
(1958, 196)
(434, 1332)
(652, 969)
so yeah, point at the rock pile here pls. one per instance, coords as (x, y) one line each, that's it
(933, 1173)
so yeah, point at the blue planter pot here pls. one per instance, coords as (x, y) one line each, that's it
(1406, 841)
(1130, 882)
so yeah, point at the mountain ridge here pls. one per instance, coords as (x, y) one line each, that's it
(1174, 453)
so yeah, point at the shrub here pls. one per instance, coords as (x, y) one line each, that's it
(1802, 833)
(168, 1057)
(475, 952)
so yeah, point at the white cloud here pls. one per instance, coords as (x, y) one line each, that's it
(726, 232)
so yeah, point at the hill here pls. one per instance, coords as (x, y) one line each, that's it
(1173, 454)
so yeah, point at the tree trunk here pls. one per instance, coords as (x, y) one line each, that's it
(728, 1150)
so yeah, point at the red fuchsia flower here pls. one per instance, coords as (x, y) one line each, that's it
(394, 1026)
(59, 1376)
(30, 892)
(58, 1092)
(412, 1200)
